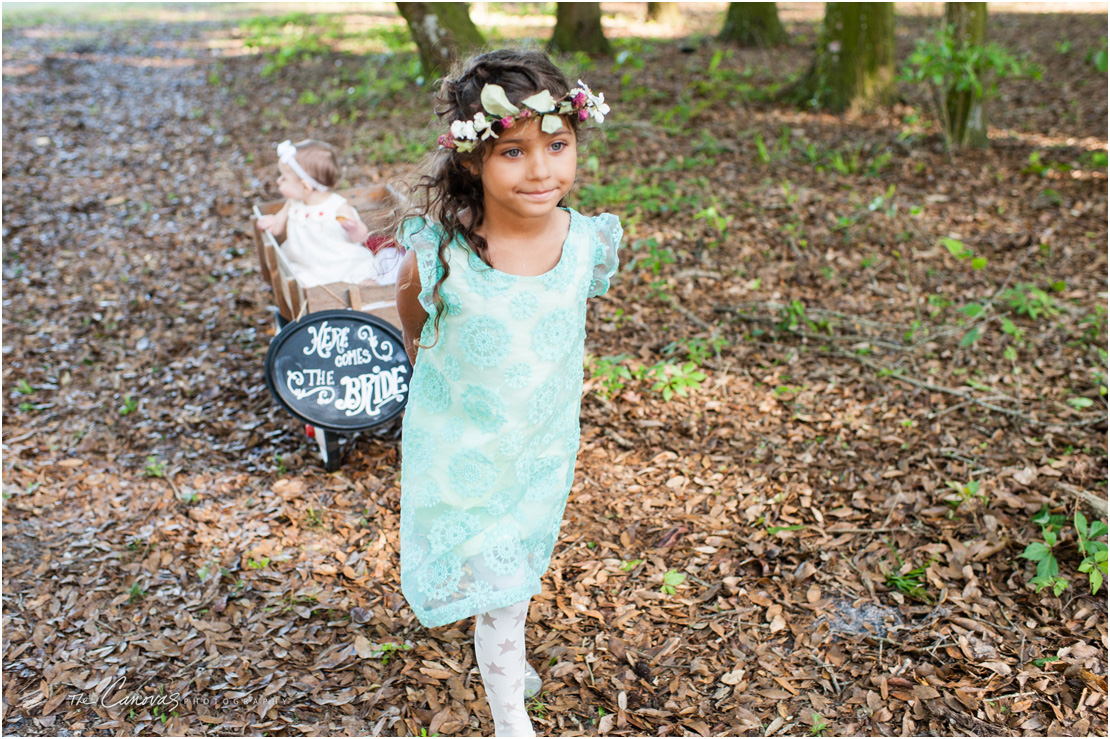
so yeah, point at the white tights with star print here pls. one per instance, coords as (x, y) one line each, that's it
(499, 646)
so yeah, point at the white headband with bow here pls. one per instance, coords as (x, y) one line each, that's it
(287, 154)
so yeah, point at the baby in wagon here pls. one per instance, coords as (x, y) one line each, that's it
(325, 240)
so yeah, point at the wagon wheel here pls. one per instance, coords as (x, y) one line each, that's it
(328, 443)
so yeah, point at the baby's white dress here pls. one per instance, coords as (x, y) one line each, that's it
(320, 253)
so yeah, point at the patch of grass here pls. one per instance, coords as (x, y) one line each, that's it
(671, 580)
(963, 493)
(313, 519)
(697, 349)
(716, 220)
(1097, 58)
(1094, 552)
(1095, 159)
(612, 373)
(673, 379)
(651, 255)
(1031, 301)
(129, 406)
(538, 706)
(288, 38)
(663, 197)
(386, 650)
(676, 119)
(154, 467)
(911, 582)
(405, 146)
(1041, 552)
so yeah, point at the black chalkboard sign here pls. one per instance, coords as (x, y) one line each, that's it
(341, 370)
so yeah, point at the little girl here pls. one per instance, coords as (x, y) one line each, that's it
(325, 240)
(492, 298)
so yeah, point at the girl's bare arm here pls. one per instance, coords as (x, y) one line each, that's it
(413, 315)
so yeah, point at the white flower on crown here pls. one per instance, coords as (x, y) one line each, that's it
(595, 103)
(483, 124)
(464, 130)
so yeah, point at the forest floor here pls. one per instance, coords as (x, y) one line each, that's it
(904, 386)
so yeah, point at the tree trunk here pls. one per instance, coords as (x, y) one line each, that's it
(854, 65)
(665, 14)
(578, 28)
(442, 32)
(753, 24)
(966, 118)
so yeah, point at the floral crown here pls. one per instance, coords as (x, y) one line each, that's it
(464, 134)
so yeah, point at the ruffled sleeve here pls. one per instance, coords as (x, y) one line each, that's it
(607, 240)
(423, 237)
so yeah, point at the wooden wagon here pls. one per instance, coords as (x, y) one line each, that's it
(319, 308)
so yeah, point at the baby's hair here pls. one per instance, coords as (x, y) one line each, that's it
(451, 181)
(320, 161)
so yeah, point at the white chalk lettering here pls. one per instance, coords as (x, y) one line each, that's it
(308, 382)
(326, 339)
(354, 356)
(368, 393)
(383, 350)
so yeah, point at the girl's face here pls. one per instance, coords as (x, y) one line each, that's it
(527, 172)
(292, 187)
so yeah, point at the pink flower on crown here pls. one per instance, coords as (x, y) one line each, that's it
(507, 122)
(583, 114)
(526, 113)
(579, 100)
(446, 142)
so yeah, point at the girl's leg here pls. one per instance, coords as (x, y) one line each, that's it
(499, 646)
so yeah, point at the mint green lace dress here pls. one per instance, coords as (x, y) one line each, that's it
(491, 430)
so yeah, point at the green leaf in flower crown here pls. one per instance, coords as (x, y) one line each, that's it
(551, 123)
(496, 102)
(541, 102)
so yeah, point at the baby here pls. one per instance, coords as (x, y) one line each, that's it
(325, 240)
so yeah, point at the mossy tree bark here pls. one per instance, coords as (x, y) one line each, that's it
(578, 28)
(666, 14)
(443, 32)
(966, 117)
(753, 24)
(854, 65)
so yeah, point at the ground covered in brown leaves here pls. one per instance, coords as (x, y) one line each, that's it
(823, 536)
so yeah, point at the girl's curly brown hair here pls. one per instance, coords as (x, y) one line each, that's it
(449, 190)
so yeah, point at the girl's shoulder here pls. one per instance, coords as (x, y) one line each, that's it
(602, 235)
(419, 233)
(601, 219)
(604, 227)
